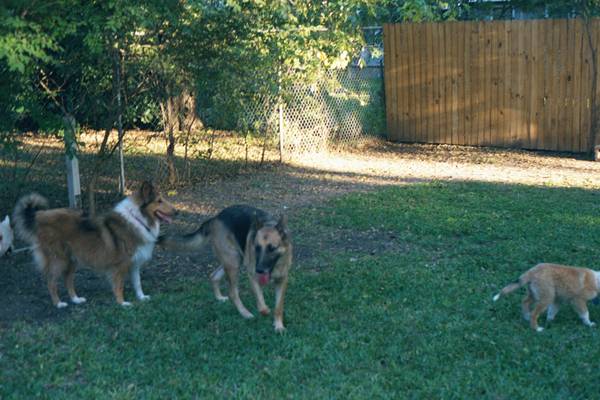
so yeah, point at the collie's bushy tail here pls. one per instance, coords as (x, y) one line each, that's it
(24, 216)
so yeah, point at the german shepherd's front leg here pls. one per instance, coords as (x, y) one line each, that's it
(280, 288)
(258, 293)
(234, 294)
(215, 279)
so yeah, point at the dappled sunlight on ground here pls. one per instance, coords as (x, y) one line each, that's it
(395, 163)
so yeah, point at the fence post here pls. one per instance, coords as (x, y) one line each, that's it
(73, 181)
(280, 127)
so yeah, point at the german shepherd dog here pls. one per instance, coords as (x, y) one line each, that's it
(550, 284)
(116, 243)
(244, 235)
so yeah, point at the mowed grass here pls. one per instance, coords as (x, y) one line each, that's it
(411, 323)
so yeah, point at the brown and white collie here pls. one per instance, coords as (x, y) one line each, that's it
(549, 285)
(116, 243)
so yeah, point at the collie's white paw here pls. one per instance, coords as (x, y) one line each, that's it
(144, 297)
(539, 329)
(222, 299)
(78, 300)
(126, 304)
(61, 304)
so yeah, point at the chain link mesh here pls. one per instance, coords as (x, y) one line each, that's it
(339, 110)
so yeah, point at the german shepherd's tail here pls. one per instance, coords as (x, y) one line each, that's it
(190, 242)
(24, 216)
(519, 283)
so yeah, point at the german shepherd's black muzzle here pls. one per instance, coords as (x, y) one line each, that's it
(266, 258)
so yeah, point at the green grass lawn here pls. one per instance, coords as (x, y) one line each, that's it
(416, 323)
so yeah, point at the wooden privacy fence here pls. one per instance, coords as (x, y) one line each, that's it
(525, 84)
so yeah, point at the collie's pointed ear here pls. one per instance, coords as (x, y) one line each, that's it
(147, 192)
(282, 226)
(6, 221)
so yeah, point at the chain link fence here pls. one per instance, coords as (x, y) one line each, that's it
(340, 110)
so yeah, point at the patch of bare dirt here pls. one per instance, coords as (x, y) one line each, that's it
(289, 188)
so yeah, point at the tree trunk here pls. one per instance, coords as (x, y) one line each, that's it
(170, 119)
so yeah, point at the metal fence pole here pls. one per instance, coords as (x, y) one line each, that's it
(72, 163)
(280, 128)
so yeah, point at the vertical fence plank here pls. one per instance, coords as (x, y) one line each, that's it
(410, 82)
(512, 84)
(555, 91)
(569, 63)
(576, 123)
(461, 103)
(497, 71)
(562, 110)
(508, 104)
(422, 46)
(387, 78)
(431, 81)
(544, 139)
(586, 88)
(416, 81)
(492, 106)
(502, 45)
(489, 82)
(596, 30)
(483, 62)
(444, 126)
(537, 84)
(454, 79)
(467, 104)
(393, 85)
(400, 77)
(519, 89)
(585, 134)
(424, 89)
(525, 44)
(434, 60)
(477, 89)
(471, 81)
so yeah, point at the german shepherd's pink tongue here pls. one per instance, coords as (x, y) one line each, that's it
(263, 279)
(164, 217)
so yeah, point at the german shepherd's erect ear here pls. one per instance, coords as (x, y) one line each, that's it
(147, 192)
(282, 226)
(256, 223)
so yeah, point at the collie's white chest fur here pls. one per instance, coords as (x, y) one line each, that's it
(143, 253)
(131, 212)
